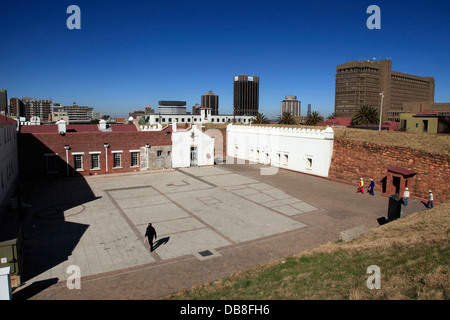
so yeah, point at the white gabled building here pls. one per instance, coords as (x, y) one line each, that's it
(191, 147)
(303, 150)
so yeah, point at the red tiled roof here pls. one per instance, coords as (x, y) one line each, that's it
(6, 120)
(123, 128)
(39, 129)
(428, 112)
(82, 128)
(337, 121)
(402, 171)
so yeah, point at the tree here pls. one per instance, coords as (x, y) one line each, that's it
(314, 118)
(260, 119)
(287, 118)
(365, 115)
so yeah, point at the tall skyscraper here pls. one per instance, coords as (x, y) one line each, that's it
(291, 105)
(246, 95)
(3, 100)
(309, 110)
(360, 83)
(210, 100)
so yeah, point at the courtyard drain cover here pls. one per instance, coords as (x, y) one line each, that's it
(205, 253)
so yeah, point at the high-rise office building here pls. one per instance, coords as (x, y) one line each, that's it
(3, 100)
(76, 112)
(41, 108)
(171, 107)
(291, 105)
(246, 95)
(16, 107)
(360, 83)
(210, 100)
(308, 113)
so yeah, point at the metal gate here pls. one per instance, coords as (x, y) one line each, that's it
(194, 160)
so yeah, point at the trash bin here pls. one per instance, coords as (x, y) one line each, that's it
(395, 207)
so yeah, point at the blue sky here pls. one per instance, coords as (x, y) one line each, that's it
(132, 53)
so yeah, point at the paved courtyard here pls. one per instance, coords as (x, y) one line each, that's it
(210, 222)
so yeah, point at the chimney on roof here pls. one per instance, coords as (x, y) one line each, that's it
(62, 128)
(102, 124)
(174, 126)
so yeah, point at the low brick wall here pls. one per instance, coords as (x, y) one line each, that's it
(354, 159)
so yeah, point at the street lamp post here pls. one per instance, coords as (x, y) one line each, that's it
(381, 110)
(147, 146)
(67, 158)
(106, 145)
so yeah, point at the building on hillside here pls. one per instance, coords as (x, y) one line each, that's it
(303, 150)
(425, 122)
(9, 163)
(360, 83)
(443, 109)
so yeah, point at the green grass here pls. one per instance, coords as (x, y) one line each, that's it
(413, 254)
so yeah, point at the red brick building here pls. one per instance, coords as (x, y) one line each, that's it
(88, 149)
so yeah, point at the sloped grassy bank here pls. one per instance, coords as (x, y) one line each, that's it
(413, 255)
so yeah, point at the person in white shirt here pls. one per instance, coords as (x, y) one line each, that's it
(430, 199)
(406, 197)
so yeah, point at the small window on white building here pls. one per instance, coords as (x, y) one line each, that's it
(159, 153)
(309, 163)
(285, 159)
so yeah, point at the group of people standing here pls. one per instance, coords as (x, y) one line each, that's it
(405, 195)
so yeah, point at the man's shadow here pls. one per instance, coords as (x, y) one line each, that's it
(160, 242)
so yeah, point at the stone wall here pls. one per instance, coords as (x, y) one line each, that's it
(353, 159)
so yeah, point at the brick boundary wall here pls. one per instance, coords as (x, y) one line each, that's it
(354, 159)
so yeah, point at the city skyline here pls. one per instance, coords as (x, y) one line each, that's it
(127, 55)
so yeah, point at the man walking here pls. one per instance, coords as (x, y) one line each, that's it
(150, 233)
(371, 186)
(361, 186)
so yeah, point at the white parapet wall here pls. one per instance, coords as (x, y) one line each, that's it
(303, 150)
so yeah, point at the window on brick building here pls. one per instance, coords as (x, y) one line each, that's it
(134, 159)
(95, 161)
(117, 160)
(78, 162)
(159, 153)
